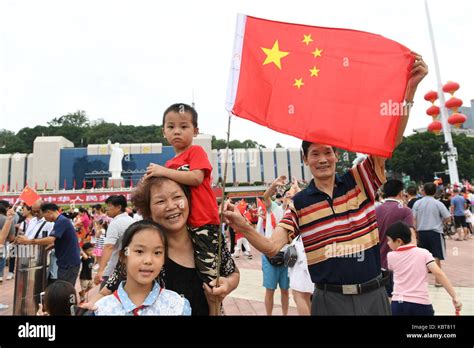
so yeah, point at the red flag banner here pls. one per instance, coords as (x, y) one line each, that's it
(332, 86)
(29, 196)
(242, 206)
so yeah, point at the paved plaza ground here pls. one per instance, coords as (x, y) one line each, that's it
(248, 298)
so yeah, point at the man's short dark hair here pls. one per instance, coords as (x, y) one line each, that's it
(412, 191)
(278, 196)
(49, 207)
(181, 108)
(117, 200)
(392, 188)
(429, 188)
(5, 204)
(305, 147)
(400, 230)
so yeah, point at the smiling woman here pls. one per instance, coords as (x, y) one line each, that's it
(167, 204)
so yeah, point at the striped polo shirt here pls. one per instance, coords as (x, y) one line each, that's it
(340, 234)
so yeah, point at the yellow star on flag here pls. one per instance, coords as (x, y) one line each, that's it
(307, 39)
(298, 83)
(317, 52)
(314, 71)
(274, 55)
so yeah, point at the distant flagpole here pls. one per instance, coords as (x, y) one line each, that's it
(451, 154)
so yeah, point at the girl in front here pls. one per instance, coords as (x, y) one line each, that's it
(143, 252)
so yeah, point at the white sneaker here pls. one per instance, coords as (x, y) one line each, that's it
(3, 306)
(10, 276)
(1, 279)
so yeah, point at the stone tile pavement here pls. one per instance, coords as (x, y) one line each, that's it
(248, 298)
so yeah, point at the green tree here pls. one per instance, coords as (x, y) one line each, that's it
(9, 143)
(419, 156)
(28, 136)
(77, 119)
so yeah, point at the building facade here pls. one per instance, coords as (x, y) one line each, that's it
(56, 164)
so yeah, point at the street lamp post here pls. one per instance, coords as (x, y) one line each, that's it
(451, 153)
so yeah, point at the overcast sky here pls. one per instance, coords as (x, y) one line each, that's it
(126, 61)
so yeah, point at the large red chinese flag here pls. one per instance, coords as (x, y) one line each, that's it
(332, 86)
(29, 196)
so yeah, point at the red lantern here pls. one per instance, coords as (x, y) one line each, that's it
(454, 103)
(457, 119)
(431, 96)
(435, 127)
(451, 87)
(433, 111)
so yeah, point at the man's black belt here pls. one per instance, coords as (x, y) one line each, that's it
(356, 289)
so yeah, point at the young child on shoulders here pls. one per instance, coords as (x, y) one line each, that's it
(144, 248)
(410, 266)
(191, 167)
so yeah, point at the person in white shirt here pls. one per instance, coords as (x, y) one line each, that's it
(116, 209)
(38, 225)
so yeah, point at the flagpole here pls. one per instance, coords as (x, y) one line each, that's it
(221, 214)
(451, 153)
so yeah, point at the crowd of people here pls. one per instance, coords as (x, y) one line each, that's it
(333, 243)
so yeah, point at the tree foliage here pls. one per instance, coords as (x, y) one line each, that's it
(419, 156)
(219, 144)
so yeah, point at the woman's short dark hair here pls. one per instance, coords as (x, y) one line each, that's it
(59, 297)
(140, 226)
(141, 196)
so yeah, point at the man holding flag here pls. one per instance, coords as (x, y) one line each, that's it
(335, 215)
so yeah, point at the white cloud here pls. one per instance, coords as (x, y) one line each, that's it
(126, 61)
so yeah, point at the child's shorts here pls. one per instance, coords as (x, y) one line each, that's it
(410, 308)
(86, 284)
(205, 242)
